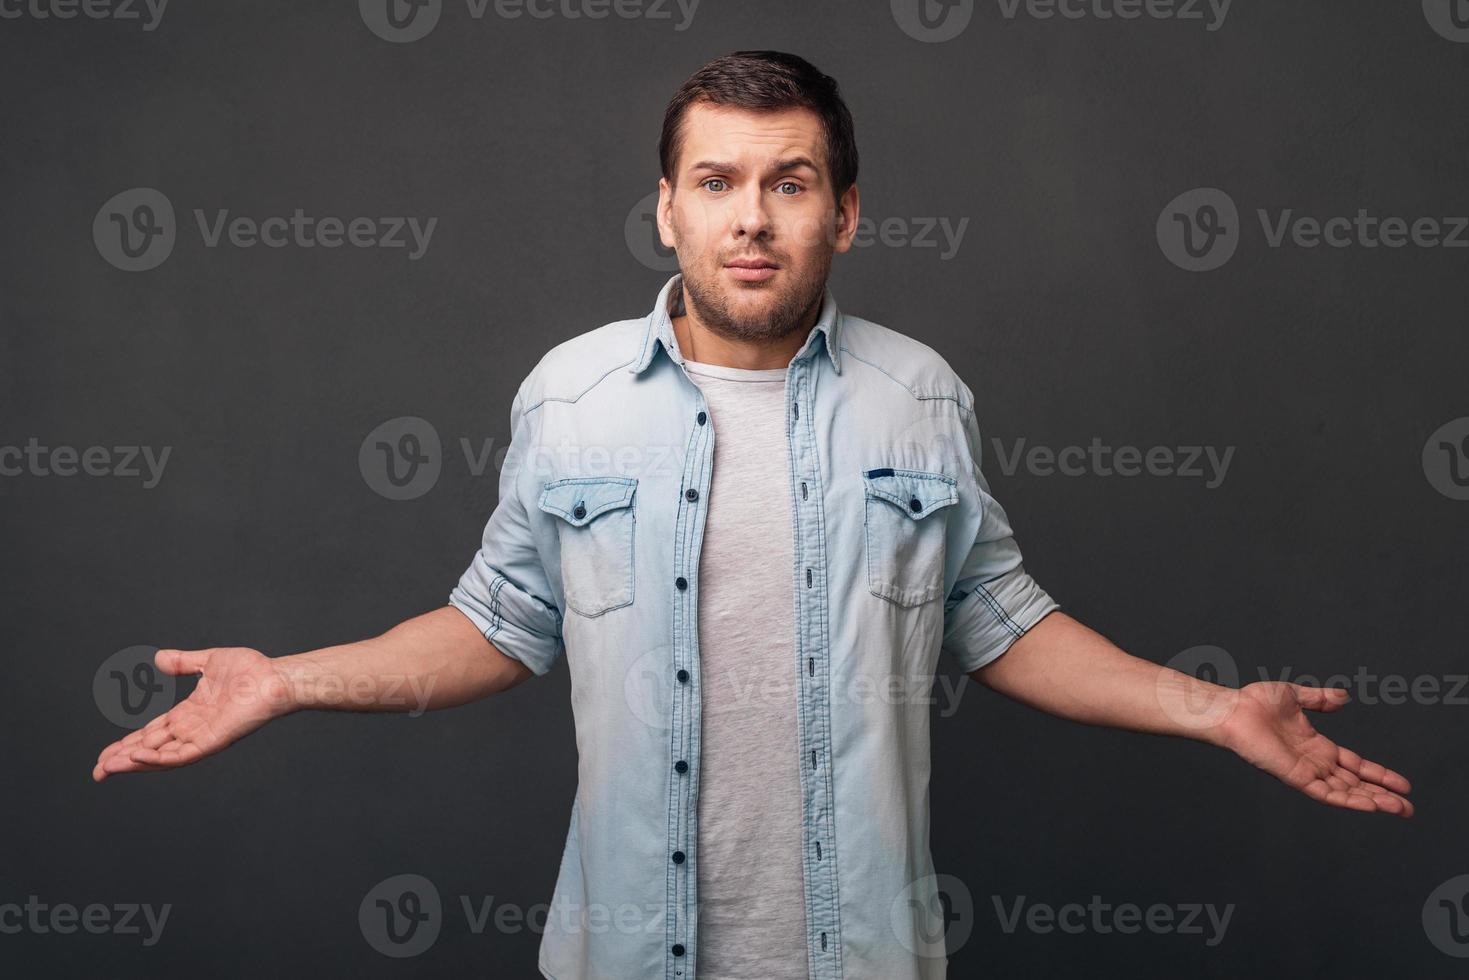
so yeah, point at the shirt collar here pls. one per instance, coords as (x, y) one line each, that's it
(659, 328)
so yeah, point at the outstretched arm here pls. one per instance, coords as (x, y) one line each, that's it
(435, 660)
(1062, 667)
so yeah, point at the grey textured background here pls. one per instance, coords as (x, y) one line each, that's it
(1326, 550)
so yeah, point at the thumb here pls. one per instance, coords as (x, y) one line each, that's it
(1321, 698)
(181, 661)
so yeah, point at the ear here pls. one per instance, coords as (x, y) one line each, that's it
(849, 209)
(664, 214)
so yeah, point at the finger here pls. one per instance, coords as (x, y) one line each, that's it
(153, 739)
(123, 763)
(169, 756)
(1373, 772)
(1362, 798)
(1321, 698)
(1320, 791)
(181, 661)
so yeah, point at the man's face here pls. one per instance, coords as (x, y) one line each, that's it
(752, 219)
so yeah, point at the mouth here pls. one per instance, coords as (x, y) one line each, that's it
(751, 270)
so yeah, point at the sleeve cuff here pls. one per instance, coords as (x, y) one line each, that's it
(498, 618)
(992, 615)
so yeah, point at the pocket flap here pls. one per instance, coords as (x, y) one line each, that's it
(918, 493)
(578, 499)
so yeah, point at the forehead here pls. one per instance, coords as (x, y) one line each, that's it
(730, 133)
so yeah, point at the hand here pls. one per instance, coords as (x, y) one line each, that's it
(1268, 728)
(240, 690)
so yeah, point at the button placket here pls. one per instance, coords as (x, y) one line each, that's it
(686, 707)
(814, 672)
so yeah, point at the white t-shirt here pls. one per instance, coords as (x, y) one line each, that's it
(751, 910)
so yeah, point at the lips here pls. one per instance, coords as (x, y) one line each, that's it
(751, 270)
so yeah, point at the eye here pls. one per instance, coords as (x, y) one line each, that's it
(790, 183)
(711, 181)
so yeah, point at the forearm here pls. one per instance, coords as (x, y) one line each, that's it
(1062, 667)
(436, 660)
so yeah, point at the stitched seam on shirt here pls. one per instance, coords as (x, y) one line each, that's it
(496, 619)
(900, 384)
(824, 720)
(578, 396)
(989, 599)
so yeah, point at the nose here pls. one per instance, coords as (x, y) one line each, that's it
(749, 217)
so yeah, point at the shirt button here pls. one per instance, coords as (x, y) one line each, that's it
(682, 675)
(915, 504)
(681, 582)
(677, 949)
(702, 418)
(691, 494)
(678, 857)
(680, 766)
(579, 512)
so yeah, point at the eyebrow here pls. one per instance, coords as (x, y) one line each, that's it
(781, 166)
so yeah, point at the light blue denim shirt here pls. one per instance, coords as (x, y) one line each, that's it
(900, 552)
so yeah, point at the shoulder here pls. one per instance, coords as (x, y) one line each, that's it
(888, 356)
(578, 364)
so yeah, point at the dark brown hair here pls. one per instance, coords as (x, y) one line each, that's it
(766, 81)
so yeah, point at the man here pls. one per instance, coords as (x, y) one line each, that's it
(753, 522)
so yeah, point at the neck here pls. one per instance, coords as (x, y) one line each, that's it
(699, 343)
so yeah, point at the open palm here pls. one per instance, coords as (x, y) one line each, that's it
(240, 690)
(1269, 729)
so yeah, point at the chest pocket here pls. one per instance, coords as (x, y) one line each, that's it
(905, 519)
(596, 528)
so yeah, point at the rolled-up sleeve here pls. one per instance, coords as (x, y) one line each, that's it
(504, 591)
(994, 600)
